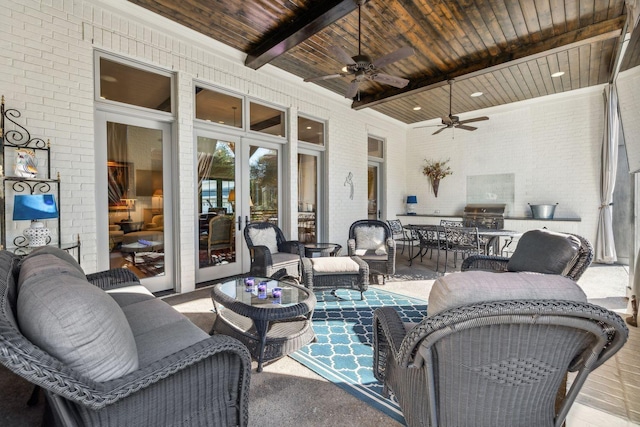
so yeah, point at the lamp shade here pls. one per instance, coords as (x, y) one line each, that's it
(34, 207)
(412, 199)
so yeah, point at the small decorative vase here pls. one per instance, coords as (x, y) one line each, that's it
(435, 184)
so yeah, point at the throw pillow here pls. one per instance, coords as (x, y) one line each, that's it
(371, 238)
(57, 252)
(544, 251)
(77, 323)
(264, 237)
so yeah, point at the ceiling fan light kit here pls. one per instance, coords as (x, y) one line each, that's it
(362, 68)
(451, 121)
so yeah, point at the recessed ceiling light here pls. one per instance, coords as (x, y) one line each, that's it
(308, 127)
(221, 122)
(109, 79)
(417, 108)
(476, 94)
(558, 74)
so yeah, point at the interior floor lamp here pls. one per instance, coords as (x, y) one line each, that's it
(35, 207)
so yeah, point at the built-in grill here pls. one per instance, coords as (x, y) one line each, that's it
(484, 216)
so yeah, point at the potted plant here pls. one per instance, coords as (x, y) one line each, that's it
(435, 171)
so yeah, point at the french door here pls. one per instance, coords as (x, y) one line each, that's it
(238, 182)
(134, 220)
(373, 191)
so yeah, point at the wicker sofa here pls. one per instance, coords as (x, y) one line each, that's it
(107, 352)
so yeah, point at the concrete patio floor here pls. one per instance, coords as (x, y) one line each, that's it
(288, 394)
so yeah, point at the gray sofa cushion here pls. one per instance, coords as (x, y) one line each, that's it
(152, 322)
(130, 294)
(48, 265)
(544, 251)
(77, 323)
(57, 252)
(470, 287)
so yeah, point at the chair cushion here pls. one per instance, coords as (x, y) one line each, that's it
(470, 287)
(544, 251)
(371, 238)
(264, 237)
(75, 322)
(284, 258)
(130, 294)
(152, 321)
(333, 265)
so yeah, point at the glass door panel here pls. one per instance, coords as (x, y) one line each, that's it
(307, 198)
(372, 191)
(263, 184)
(217, 240)
(132, 167)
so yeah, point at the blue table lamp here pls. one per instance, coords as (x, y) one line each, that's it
(412, 201)
(35, 207)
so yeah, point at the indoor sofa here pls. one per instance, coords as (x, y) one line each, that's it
(107, 352)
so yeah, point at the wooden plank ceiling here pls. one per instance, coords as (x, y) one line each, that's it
(506, 49)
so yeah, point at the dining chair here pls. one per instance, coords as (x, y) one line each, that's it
(401, 234)
(451, 223)
(430, 238)
(220, 236)
(460, 240)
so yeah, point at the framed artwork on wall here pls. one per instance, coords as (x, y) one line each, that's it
(121, 184)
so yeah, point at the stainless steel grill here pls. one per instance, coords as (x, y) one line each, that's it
(484, 216)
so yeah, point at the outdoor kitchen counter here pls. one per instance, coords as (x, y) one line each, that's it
(513, 218)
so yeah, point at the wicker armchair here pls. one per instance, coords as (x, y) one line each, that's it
(496, 363)
(529, 241)
(270, 251)
(372, 241)
(211, 376)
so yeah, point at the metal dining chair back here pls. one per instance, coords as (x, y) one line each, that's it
(461, 240)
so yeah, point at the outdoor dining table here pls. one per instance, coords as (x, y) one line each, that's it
(492, 237)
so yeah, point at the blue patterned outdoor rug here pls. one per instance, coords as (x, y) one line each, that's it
(343, 353)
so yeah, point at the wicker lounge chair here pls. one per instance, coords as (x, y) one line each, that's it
(494, 363)
(372, 241)
(536, 250)
(270, 251)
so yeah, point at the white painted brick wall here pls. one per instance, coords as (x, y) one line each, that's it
(551, 144)
(47, 73)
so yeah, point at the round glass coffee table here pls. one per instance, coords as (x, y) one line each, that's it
(271, 324)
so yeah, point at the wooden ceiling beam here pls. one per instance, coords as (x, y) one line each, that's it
(306, 23)
(597, 32)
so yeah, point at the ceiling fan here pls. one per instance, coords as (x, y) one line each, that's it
(362, 68)
(452, 121)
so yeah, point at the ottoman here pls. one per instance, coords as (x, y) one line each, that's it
(335, 272)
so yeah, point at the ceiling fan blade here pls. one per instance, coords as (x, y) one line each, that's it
(390, 80)
(459, 126)
(341, 55)
(352, 90)
(330, 76)
(477, 119)
(397, 55)
(440, 130)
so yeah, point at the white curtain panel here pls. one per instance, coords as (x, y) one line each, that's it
(605, 245)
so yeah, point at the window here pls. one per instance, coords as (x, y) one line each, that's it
(218, 107)
(267, 120)
(311, 131)
(135, 86)
(375, 147)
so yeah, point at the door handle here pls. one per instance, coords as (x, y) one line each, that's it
(239, 223)
(246, 221)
